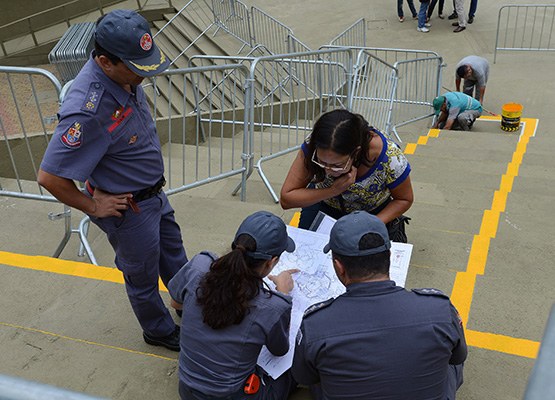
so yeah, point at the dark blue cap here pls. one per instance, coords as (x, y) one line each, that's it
(126, 34)
(348, 230)
(270, 234)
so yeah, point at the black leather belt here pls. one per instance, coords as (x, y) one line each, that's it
(139, 195)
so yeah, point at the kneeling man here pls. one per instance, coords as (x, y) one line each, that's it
(456, 110)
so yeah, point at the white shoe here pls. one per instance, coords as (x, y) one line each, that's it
(423, 30)
(427, 24)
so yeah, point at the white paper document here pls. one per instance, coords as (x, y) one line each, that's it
(317, 282)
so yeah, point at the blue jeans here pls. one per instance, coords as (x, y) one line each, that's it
(400, 8)
(422, 14)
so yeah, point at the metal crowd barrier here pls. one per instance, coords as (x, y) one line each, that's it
(269, 32)
(374, 85)
(355, 35)
(233, 16)
(525, 28)
(418, 83)
(72, 51)
(541, 384)
(21, 389)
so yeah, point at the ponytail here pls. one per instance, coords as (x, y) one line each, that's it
(225, 291)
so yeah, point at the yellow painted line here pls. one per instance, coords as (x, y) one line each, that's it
(86, 341)
(64, 267)
(504, 344)
(465, 281)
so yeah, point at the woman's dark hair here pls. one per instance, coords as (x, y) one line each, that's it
(225, 291)
(342, 132)
(101, 51)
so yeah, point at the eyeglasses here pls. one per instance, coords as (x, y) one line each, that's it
(333, 169)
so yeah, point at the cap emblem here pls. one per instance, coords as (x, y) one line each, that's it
(146, 42)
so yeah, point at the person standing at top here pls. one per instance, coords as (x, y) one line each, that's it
(400, 13)
(106, 137)
(459, 14)
(475, 72)
(423, 25)
(471, 12)
(346, 165)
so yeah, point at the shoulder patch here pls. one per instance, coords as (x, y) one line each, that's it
(318, 306)
(72, 138)
(92, 98)
(430, 292)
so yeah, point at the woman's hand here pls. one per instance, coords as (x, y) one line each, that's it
(343, 182)
(284, 281)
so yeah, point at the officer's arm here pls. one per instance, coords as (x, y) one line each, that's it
(101, 205)
(303, 368)
(277, 341)
(459, 352)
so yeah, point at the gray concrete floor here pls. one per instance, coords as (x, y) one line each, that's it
(486, 243)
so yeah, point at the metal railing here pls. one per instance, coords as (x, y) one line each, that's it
(374, 85)
(34, 23)
(233, 16)
(353, 36)
(525, 28)
(72, 51)
(269, 32)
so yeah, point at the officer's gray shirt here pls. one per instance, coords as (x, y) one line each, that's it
(480, 69)
(218, 362)
(105, 134)
(379, 341)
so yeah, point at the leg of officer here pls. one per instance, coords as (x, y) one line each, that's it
(135, 238)
(172, 252)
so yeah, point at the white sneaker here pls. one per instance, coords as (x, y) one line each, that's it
(423, 29)
(427, 24)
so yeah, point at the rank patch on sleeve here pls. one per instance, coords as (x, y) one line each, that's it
(92, 99)
(72, 137)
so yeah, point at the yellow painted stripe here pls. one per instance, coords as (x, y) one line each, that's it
(410, 148)
(295, 220)
(490, 221)
(422, 140)
(463, 289)
(507, 183)
(499, 200)
(478, 255)
(64, 267)
(504, 344)
(86, 341)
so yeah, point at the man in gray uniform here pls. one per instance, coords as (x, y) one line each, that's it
(377, 340)
(475, 72)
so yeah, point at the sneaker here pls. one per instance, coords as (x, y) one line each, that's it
(423, 29)
(427, 24)
(401, 19)
(470, 19)
(453, 16)
(415, 16)
(170, 342)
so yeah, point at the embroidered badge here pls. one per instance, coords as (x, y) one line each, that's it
(117, 113)
(120, 119)
(90, 105)
(460, 319)
(146, 42)
(93, 97)
(133, 139)
(72, 138)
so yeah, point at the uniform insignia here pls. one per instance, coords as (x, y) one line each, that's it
(317, 306)
(72, 137)
(460, 319)
(92, 99)
(117, 113)
(430, 292)
(133, 139)
(120, 119)
(299, 338)
(146, 42)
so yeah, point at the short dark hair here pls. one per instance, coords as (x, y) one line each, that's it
(101, 51)
(342, 132)
(373, 265)
(462, 71)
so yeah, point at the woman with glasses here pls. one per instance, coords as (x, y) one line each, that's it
(346, 165)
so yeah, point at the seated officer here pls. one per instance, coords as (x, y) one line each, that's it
(377, 340)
